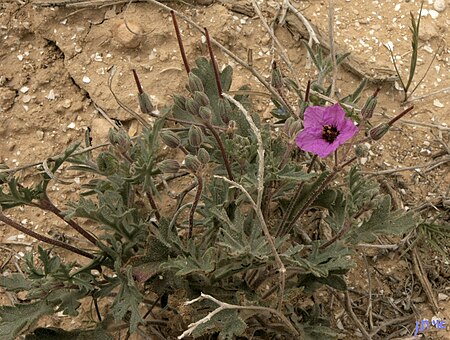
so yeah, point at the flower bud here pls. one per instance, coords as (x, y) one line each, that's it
(287, 125)
(203, 156)
(144, 103)
(192, 163)
(205, 113)
(107, 164)
(170, 166)
(379, 131)
(119, 139)
(361, 150)
(369, 106)
(224, 110)
(179, 101)
(277, 78)
(192, 107)
(195, 83)
(170, 138)
(201, 98)
(295, 128)
(195, 136)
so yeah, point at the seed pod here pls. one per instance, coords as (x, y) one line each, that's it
(192, 163)
(192, 107)
(369, 106)
(195, 136)
(170, 138)
(287, 125)
(295, 129)
(203, 156)
(170, 166)
(205, 113)
(379, 131)
(107, 164)
(195, 83)
(179, 101)
(201, 98)
(144, 103)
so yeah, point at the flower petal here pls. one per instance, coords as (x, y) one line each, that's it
(314, 117)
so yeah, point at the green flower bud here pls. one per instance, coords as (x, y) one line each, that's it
(379, 131)
(224, 110)
(170, 138)
(201, 98)
(203, 156)
(192, 163)
(144, 103)
(361, 150)
(205, 113)
(369, 106)
(170, 166)
(277, 78)
(107, 164)
(192, 107)
(195, 136)
(120, 140)
(287, 125)
(179, 101)
(195, 83)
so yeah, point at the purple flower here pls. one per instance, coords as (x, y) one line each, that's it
(325, 129)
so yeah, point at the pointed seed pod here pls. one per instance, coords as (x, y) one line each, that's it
(205, 113)
(201, 98)
(379, 131)
(120, 140)
(224, 110)
(195, 83)
(144, 103)
(192, 163)
(192, 107)
(170, 138)
(295, 128)
(277, 78)
(195, 136)
(179, 101)
(369, 106)
(203, 156)
(287, 125)
(170, 166)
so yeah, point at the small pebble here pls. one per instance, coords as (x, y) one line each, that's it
(71, 126)
(66, 103)
(86, 80)
(433, 14)
(442, 297)
(51, 95)
(40, 134)
(26, 98)
(24, 89)
(437, 103)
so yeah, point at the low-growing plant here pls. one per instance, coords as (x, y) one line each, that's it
(234, 253)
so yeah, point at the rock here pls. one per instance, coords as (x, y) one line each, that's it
(6, 98)
(129, 35)
(428, 31)
(40, 134)
(439, 5)
(99, 131)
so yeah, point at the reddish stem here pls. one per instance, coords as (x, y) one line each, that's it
(308, 88)
(213, 61)
(138, 83)
(393, 120)
(180, 42)
(43, 238)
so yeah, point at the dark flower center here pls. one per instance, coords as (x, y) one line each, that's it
(330, 133)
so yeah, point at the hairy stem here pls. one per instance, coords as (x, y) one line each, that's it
(214, 64)
(180, 42)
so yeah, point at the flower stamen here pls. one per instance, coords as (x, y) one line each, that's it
(330, 133)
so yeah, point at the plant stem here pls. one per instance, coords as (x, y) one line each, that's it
(214, 64)
(195, 203)
(46, 204)
(180, 42)
(152, 202)
(138, 83)
(222, 149)
(400, 115)
(43, 238)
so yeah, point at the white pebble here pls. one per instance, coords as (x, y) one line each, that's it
(433, 14)
(51, 95)
(71, 126)
(24, 89)
(437, 103)
(86, 80)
